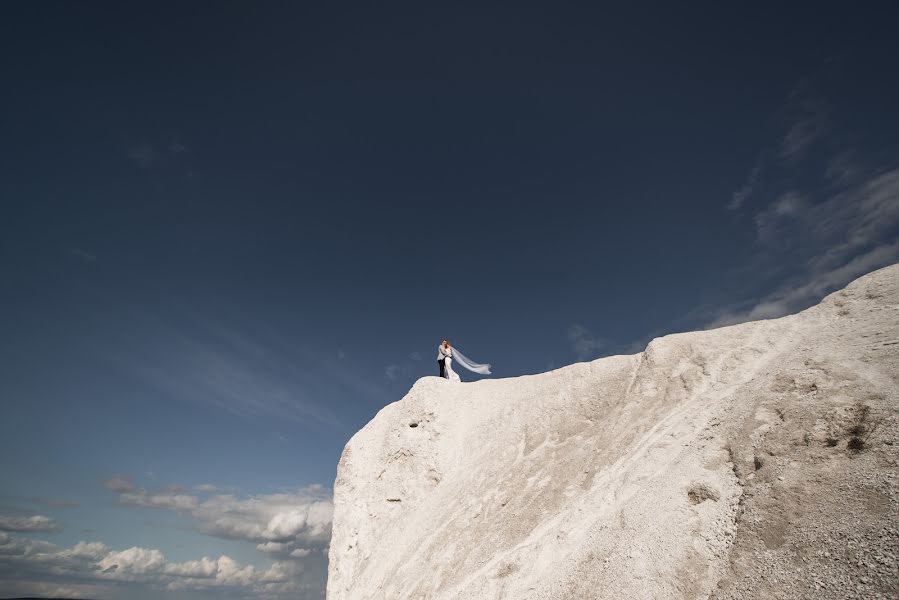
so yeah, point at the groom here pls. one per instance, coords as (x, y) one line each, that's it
(441, 357)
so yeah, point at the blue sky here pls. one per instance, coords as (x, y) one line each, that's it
(231, 233)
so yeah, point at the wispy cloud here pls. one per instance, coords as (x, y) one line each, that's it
(843, 168)
(119, 484)
(176, 145)
(392, 372)
(828, 244)
(804, 123)
(824, 217)
(405, 368)
(241, 364)
(33, 523)
(806, 114)
(160, 151)
(246, 375)
(143, 155)
(740, 197)
(801, 135)
(82, 254)
(775, 223)
(583, 343)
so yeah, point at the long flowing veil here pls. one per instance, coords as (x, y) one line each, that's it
(470, 364)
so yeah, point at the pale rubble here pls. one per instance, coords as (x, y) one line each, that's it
(715, 464)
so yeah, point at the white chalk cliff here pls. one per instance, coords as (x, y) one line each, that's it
(752, 461)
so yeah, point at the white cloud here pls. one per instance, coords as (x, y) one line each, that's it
(272, 547)
(286, 525)
(10, 546)
(282, 571)
(204, 567)
(132, 562)
(284, 550)
(231, 572)
(88, 569)
(89, 550)
(32, 523)
(301, 518)
(583, 343)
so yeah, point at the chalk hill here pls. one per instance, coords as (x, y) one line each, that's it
(755, 461)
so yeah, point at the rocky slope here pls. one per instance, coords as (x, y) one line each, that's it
(753, 461)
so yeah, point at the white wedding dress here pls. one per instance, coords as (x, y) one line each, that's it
(448, 365)
(452, 353)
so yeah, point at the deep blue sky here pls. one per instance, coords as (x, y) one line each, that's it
(231, 232)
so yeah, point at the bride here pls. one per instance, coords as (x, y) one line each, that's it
(450, 353)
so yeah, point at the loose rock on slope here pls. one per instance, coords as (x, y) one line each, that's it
(752, 461)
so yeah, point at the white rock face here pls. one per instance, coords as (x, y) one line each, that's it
(657, 475)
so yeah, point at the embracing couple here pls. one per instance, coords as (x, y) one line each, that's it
(445, 355)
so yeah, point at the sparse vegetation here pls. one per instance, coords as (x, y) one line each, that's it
(862, 429)
(507, 569)
(699, 493)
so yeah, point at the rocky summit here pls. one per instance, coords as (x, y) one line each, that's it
(755, 461)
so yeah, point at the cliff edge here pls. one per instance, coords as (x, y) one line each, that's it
(752, 461)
